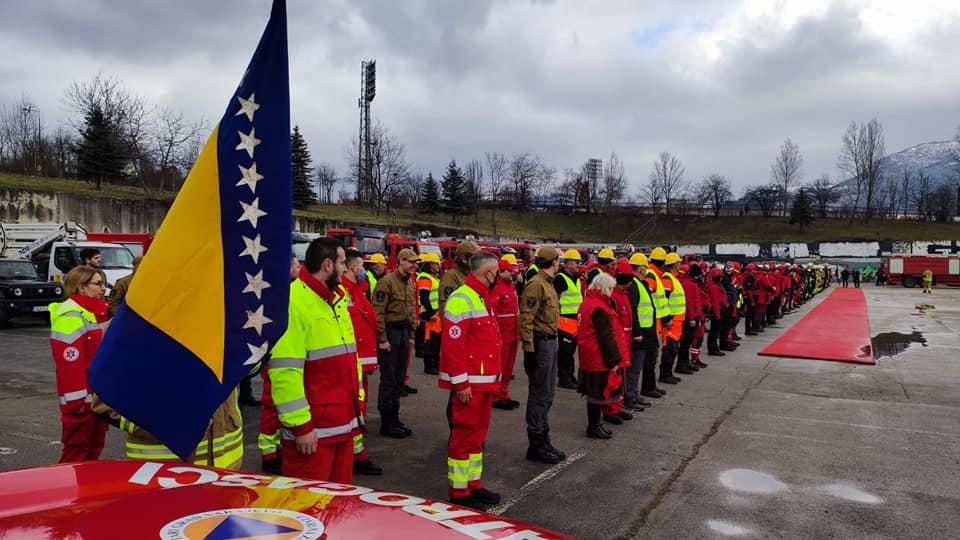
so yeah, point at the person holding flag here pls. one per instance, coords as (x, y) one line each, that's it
(197, 338)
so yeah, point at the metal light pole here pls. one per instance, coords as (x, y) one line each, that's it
(37, 157)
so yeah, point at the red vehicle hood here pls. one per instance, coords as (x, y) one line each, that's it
(132, 499)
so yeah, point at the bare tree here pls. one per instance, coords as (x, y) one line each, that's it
(614, 182)
(523, 171)
(64, 152)
(942, 203)
(666, 178)
(567, 188)
(766, 197)
(862, 148)
(169, 139)
(497, 168)
(326, 181)
(390, 168)
(786, 171)
(546, 180)
(921, 194)
(714, 191)
(905, 191)
(824, 194)
(473, 172)
(7, 134)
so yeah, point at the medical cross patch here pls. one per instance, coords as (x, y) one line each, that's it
(455, 332)
(71, 354)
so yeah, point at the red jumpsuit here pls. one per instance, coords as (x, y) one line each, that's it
(505, 305)
(624, 327)
(74, 340)
(364, 319)
(469, 359)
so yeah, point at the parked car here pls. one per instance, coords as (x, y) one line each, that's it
(22, 292)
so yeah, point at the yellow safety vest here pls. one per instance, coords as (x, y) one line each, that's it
(659, 296)
(571, 298)
(372, 280)
(677, 302)
(645, 312)
(434, 289)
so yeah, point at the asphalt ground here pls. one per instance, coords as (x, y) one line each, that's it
(752, 446)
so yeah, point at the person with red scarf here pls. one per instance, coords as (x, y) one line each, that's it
(600, 353)
(693, 318)
(719, 304)
(614, 413)
(506, 306)
(76, 329)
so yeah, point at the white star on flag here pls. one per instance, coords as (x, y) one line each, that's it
(250, 177)
(256, 284)
(256, 320)
(254, 248)
(247, 106)
(251, 212)
(256, 353)
(248, 142)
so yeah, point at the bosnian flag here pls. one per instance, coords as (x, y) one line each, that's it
(210, 298)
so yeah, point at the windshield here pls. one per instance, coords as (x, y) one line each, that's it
(430, 248)
(368, 245)
(114, 257)
(300, 250)
(18, 270)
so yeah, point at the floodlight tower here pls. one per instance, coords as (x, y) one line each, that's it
(368, 90)
(594, 170)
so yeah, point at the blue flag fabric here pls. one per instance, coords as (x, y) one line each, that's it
(210, 297)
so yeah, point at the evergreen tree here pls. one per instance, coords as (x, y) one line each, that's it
(454, 192)
(304, 193)
(430, 196)
(801, 212)
(100, 154)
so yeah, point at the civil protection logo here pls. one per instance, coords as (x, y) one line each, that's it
(229, 523)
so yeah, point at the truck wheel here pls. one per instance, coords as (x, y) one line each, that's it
(910, 281)
(4, 319)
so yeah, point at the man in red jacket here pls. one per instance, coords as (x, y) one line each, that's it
(719, 305)
(505, 305)
(691, 322)
(470, 358)
(364, 320)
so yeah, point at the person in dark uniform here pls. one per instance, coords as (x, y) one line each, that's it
(539, 314)
(393, 300)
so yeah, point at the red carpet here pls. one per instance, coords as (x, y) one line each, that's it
(837, 329)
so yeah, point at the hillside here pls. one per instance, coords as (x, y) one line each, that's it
(935, 159)
(640, 229)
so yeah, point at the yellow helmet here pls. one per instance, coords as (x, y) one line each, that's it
(672, 258)
(606, 253)
(378, 258)
(429, 258)
(510, 258)
(639, 259)
(658, 254)
(572, 255)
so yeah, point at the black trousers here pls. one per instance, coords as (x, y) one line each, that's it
(686, 340)
(648, 377)
(713, 337)
(393, 369)
(431, 350)
(566, 348)
(419, 340)
(594, 414)
(667, 357)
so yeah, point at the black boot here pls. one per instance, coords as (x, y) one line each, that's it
(537, 451)
(470, 502)
(612, 419)
(486, 496)
(597, 432)
(367, 467)
(272, 466)
(546, 439)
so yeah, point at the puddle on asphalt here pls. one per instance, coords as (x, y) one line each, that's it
(850, 493)
(726, 528)
(750, 481)
(894, 343)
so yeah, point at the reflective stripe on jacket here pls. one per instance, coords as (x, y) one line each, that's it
(659, 295)
(364, 320)
(75, 336)
(646, 315)
(677, 302)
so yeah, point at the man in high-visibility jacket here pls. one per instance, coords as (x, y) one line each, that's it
(377, 264)
(313, 372)
(364, 320)
(677, 306)
(567, 285)
(928, 281)
(660, 289)
(470, 370)
(428, 292)
(643, 357)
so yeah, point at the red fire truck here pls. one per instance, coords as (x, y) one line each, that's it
(908, 269)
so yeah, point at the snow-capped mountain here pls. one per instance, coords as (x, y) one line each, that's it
(935, 159)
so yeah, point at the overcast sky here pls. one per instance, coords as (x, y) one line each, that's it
(719, 83)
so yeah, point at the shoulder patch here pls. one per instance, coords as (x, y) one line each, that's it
(71, 354)
(381, 296)
(531, 301)
(447, 291)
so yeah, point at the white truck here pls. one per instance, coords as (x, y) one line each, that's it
(54, 249)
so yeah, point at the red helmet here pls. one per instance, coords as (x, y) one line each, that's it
(684, 268)
(751, 267)
(736, 265)
(624, 268)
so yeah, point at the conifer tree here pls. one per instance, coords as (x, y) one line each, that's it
(304, 193)
(430, 196)
(454, 192)
(801, 213)
(100, 155)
